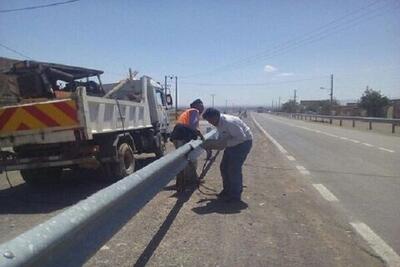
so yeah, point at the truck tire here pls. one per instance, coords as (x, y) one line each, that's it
(41, 176)
(125, 164)
(159, 145)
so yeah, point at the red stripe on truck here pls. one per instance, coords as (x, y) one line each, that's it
(5, 116)
(41, 116)
(67, 109)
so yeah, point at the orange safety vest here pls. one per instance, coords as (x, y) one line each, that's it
(184, 118)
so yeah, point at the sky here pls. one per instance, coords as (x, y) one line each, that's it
(244, 52)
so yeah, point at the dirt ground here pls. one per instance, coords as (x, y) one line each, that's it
(282, 221)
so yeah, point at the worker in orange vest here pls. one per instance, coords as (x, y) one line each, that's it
(185, 130)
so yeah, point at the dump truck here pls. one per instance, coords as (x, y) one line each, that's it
(55, 116)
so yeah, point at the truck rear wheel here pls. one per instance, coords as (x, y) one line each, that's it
(42, 175)
(126, 162)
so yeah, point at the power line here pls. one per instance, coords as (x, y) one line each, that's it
(15, 51)
(342, 77)
(255, 84)
(37, 7)
(342, 23)
(288, 43)
(322, 35)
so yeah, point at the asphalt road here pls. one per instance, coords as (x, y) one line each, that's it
(360, 169)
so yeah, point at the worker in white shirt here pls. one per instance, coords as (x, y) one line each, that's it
(235, 137)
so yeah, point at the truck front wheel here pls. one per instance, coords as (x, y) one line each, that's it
(159, 145)
(126, 161)
(41, 176)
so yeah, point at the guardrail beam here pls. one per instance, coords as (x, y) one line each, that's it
(72, 236)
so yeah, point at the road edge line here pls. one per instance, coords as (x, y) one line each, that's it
(391, 258)
(281, 149)
(325, 193)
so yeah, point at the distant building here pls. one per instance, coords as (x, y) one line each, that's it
(393, 110)
(311, 103)
(315, 106)
(350, 109)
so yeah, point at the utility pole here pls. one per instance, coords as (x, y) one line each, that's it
(226, 105)
(176, 97)
(279, 103)
(294, 96)
(272, 105)
(331, 94)
(130, 74)
(212, 97)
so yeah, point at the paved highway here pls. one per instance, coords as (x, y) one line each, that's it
(358, 171)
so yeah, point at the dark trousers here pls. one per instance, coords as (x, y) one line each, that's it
(231, 168)
(189, 174)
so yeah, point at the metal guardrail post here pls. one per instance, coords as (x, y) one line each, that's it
(50, 243)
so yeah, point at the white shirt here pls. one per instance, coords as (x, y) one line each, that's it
(233, 130)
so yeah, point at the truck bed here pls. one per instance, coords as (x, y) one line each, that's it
(66, 120)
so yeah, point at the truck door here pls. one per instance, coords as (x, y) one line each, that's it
(161, 110)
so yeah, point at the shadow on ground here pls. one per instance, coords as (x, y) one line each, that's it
(73, 186)
(220, 206)
(162, 231)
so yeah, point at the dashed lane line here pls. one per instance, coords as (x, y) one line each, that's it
(302, 170)
(368, 145)
(391, 258)
(385, 149)
(331, 135)
(291, 158)
(325, 193)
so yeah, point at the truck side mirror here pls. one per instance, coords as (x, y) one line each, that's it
(168, 98)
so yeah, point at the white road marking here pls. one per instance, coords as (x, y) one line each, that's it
(302, 170)
(344, 138)
(387, 150)
(366, 144)
(305, 172)
(377, 244)
(291, 158)
(331, 135)
(354, 141)
(325, 193)
(281, 149)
